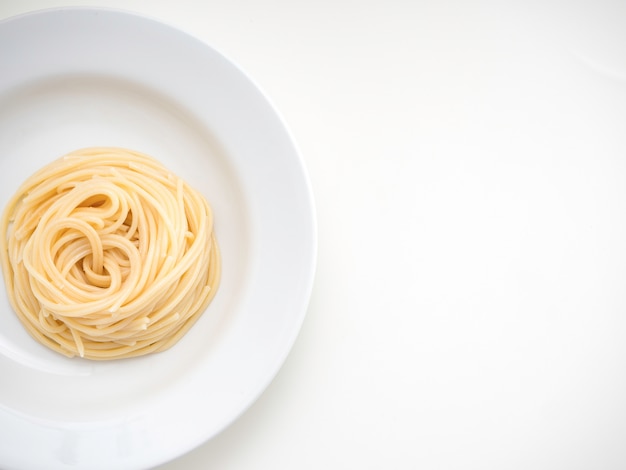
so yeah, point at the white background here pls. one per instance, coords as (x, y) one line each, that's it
(468, 163)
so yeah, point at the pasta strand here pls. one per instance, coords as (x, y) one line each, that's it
(107, 255)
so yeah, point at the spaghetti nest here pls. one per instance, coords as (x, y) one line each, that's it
(106, 254)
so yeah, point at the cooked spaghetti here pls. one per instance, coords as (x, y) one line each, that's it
(106, 254)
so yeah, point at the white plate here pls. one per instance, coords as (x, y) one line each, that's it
(82, 77)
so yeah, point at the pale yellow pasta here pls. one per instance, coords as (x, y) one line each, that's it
(107, 255)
